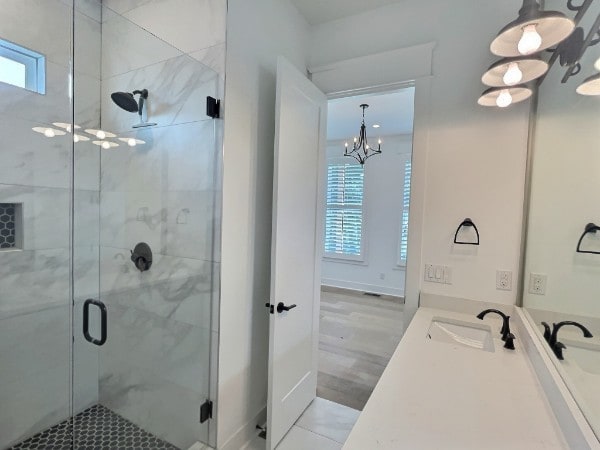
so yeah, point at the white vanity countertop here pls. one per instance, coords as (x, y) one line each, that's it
(435, 395)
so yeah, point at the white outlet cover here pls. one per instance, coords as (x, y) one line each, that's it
(504, 280)
(537, 283)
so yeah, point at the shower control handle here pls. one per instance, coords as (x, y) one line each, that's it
(86, 321)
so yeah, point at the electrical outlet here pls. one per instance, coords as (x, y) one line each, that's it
(504, 280)
(537, 283)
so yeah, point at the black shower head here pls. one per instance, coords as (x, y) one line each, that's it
(125, 100)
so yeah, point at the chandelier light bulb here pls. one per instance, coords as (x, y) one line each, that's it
(513, 74)
(379, 141)
(101, 135)
(49, 132)
(531, 41)
(346, 144)
(504, 99)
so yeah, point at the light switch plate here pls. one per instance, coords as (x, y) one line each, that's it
(438, 274)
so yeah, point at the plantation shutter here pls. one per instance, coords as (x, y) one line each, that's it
(344, 215)
(405, 209)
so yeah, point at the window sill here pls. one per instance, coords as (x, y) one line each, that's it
(342, 260)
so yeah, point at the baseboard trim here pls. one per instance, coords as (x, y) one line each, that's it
(345, 290)
(246, 432)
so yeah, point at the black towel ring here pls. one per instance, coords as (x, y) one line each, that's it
(466, 223)
(589, 228)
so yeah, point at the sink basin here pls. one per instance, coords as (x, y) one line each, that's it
(465, 334)
(586, 356)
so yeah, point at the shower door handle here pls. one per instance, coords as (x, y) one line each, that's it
(86, 321)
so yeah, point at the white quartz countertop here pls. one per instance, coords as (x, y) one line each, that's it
(435, 395)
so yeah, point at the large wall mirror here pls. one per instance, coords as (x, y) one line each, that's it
(562, 283)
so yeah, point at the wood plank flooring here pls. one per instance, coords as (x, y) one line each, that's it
(358, 335)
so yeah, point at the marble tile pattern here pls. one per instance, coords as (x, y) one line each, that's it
(34, 373)
(35, 309)
(155, 368)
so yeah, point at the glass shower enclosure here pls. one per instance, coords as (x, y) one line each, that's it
(109, 222)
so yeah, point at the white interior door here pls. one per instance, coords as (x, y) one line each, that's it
(298, 192)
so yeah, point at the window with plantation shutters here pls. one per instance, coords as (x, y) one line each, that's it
(403, 241)
(344, 213)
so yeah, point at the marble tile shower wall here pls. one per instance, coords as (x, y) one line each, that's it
(154, 368)
(35, 323)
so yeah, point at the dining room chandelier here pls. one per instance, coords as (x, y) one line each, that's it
(361, 150)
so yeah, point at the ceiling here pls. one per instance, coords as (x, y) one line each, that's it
(392, 111)
(321, 11)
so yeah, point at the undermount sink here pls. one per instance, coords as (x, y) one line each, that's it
(466, 334)
(586, 356)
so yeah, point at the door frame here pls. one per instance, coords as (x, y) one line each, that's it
(411, 66)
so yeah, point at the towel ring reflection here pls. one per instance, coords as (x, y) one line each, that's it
(466, 223)
(590, 228)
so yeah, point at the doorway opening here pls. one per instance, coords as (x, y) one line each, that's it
(365, 244)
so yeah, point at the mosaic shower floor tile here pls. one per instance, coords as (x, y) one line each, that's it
(96, 428)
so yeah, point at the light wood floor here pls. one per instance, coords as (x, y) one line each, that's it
(358, 335)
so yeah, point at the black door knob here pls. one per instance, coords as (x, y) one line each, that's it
(281, 307)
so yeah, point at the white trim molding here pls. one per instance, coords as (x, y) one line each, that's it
(393, 67)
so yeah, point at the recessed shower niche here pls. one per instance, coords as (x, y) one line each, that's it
(11, 226)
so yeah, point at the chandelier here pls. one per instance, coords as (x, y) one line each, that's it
(361, 150)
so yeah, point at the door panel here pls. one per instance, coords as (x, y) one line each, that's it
(301, 113)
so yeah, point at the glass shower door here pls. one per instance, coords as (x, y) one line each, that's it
(145, 196)
(35, 239)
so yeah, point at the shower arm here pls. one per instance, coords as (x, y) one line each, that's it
(143, 96)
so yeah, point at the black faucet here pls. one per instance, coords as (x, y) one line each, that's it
(507, 336)
(546, 331)
(556, 346)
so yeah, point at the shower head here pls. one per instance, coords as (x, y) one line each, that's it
(125, 101)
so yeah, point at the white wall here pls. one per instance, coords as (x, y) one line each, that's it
(258, 32)
(475, 156)
(384, 184)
